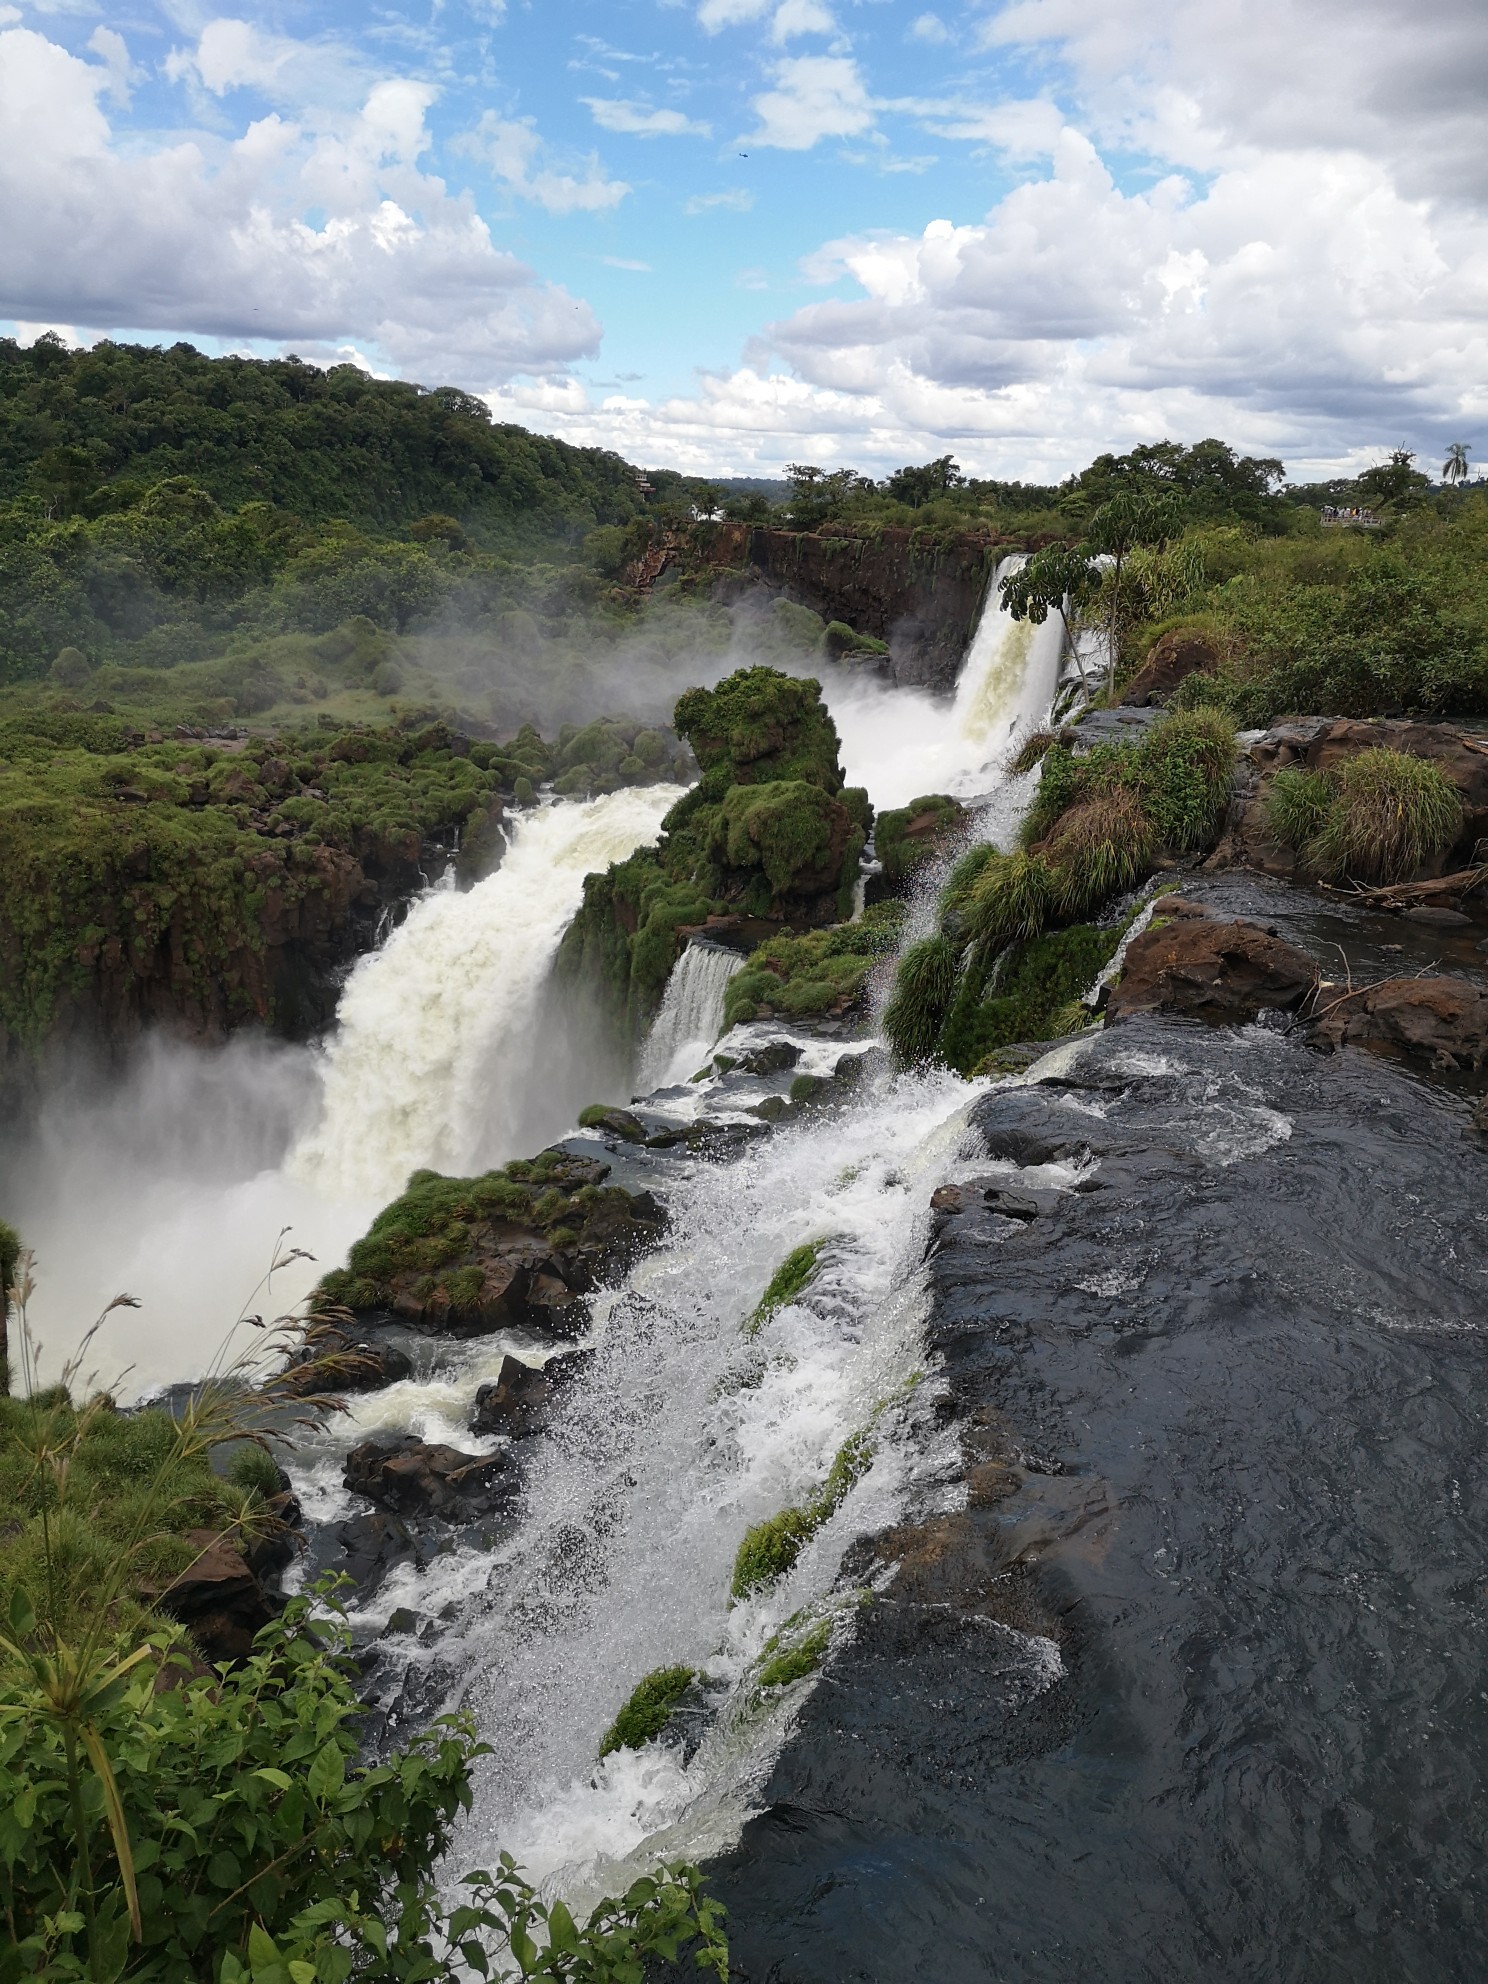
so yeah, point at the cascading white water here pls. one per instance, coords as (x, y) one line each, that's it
(685, 1430)
(904, 742)
(436, 1049)
(690, 1018)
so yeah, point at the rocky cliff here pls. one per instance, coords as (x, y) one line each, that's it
(920, 592)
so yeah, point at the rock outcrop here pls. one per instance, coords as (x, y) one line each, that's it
(1441, 1020)
(1323, 744)
(411, 1477)
(516, 1248)
(1188, 961)
(920, 593)
(517, 1400)
(219, 1598)
(1172, 658)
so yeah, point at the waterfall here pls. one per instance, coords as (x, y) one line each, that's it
(904, 742)
(438, 1050)
(691, 1015)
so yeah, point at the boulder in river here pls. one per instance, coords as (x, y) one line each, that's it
(414, 1477)
(517, 1399)
(1190, 962)
(1443, 1020)
(516, 1248)
(338, 1363)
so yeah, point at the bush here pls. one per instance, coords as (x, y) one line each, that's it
(1297, 804)
(1182, 774)
(1011, 897)
(924, 987)
(1393, 814)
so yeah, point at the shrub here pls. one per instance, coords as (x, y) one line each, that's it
(1026, 995)
(1297, 804)
(924, 987)
(649, 1709)
(1097, 849)
(1392, 815)
(900, 853)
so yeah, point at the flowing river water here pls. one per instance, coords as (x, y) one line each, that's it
(1154, 1625)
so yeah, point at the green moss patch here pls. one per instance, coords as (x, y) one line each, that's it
(649, 1709)
(906, 837)
(822, 971)
(770, 1548)
(794, 1662)
(792, 1278)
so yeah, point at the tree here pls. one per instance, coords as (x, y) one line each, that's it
(1395, 480)
(1057, 579)
(1116, 528)
(1454, 468)
(817, 494)
(922, 485)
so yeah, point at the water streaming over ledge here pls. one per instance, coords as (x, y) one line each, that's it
(690, 1018)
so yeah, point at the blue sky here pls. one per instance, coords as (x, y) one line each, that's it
(726, 234)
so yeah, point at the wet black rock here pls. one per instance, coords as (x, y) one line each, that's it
(1191, 1688)
(374, 1545)
(409, 1476)
(518, 1398)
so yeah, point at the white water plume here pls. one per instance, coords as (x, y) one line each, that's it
(690, 1017)
(439, 1046)
(900, 743)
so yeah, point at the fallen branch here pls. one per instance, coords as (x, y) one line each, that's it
(1391, 894)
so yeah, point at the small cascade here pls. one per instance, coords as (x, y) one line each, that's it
(439, 1048)
(903, 742)
(691, 1015)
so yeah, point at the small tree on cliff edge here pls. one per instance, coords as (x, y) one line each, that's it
(1058, 579)
(1115, 530)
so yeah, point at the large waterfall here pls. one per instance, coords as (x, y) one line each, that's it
(439, 1044)
(691, 1015)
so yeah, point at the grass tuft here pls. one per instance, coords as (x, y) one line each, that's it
(792, 1278)
(1393, 814)
(1099, 848)
(924, 988)
(1298, 803)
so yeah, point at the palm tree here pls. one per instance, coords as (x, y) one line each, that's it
(1454, 468)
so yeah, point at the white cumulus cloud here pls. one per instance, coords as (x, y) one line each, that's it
(638, 120)
(320, 229)
(815, 97)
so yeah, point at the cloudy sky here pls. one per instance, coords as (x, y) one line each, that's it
(721, 235)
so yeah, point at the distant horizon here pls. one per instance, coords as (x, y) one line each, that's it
(716, 236)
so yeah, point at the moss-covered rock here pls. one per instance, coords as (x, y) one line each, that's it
(823, 972)
(207, 881)
(906, 837)
(519, 1247)
(651, 1705)
(768, 832)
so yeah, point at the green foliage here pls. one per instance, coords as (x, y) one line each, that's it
(770, 1548)
(117, 853)
(924, 989)
(1393, 813)
(790, 1281)
(648, 1709)
(263, 1848)
(135, 1484)
(10, 1253)
(254, 1470)
(822, 971)
(1184, 767)
(1297, 803)
(902, 855)
(1028, 993)
(785, 829)
(759, 727)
